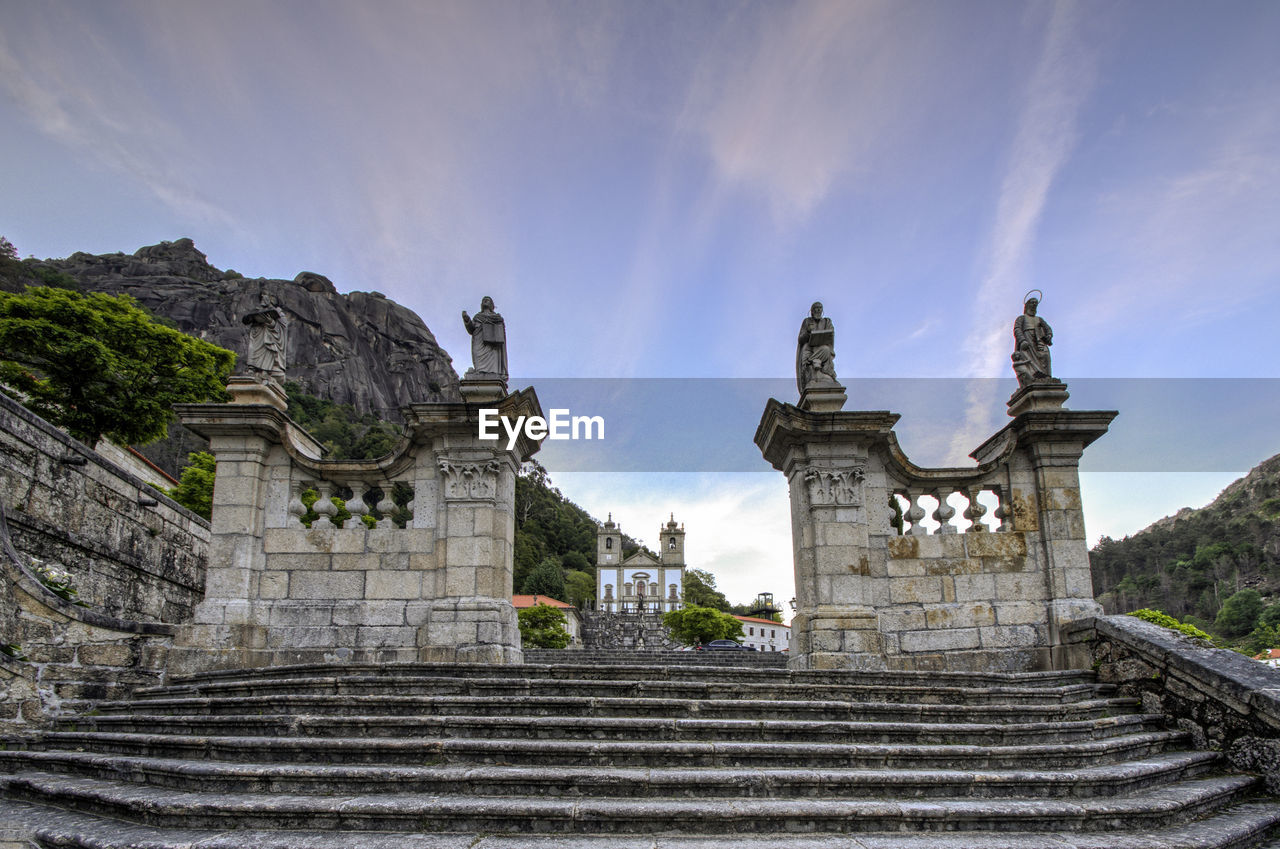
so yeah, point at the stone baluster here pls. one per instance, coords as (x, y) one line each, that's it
(296, 508)
(356, 505)
(386, 507)
(914, 515)
(975, 511)
(944, 513)
(324, 507)
(1002, 511)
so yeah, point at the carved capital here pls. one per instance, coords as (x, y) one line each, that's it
(466, 480)
(834, 487)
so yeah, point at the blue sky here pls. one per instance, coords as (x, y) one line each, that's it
(659, 190)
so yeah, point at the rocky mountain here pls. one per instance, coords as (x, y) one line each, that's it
(1187, 564)
(359, 348)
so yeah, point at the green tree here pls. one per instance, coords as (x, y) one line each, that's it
(1271, 615)
(547, 578)
(195, 488)
(542, 627)
(1262, 638)
(99, 365)
(700, 591)
(1239, 614)
(580, 587)
(696, 625)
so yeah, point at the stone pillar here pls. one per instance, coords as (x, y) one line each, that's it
(837, 496)
(1048, 503)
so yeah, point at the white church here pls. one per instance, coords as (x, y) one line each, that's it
(639, 583)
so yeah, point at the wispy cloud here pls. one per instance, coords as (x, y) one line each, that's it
(99, 109)
(800, 108)
(1044, 139)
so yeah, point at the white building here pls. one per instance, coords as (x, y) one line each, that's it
(639, 582)
(764, 634)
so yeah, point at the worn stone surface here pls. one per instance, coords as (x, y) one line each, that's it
(1223, 699)
(131, 551)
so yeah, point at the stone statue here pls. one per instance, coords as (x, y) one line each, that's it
(815, 351)
(268, 341)
(488, 342)
(1032, 337)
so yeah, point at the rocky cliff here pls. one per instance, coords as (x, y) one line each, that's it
(360, 348)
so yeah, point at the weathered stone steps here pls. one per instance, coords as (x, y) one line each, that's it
(398, 672)
(579, 706)
(412, 750)
(624, 728)
(509, 687)
(1153, 808)
(762, 782)
(1242, 827)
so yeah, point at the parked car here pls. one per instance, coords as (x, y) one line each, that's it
(725, 645)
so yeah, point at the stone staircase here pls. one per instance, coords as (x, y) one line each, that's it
(621, 756)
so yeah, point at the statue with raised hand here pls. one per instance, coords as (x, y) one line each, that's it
(488, 341)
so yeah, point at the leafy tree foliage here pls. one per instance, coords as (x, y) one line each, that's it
(99, 365)
(195, 488)
(1239, 614)
(542, 627)
(700, 591)
(580, 588)
(344, 433)
(696, 625)
(549, 525)
(1192, 563)
(547, 578)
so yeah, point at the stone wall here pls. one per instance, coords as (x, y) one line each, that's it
(133, 552)
(632, 631)
(1225, 700)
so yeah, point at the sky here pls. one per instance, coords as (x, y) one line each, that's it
(659, 190)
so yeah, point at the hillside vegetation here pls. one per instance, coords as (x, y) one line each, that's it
(1192, 564)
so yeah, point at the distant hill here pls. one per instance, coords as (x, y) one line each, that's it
(1187, 564)
(360, 348)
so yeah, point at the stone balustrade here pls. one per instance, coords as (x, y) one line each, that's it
(985, 566)
(420, 571)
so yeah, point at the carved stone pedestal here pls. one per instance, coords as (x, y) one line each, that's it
(250, 390)
(1044, 395)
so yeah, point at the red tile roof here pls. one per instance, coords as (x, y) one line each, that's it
(523, 601)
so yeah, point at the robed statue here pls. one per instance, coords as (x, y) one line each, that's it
(815, 351)
(488, 342)
(268, 341)
(1032, 337)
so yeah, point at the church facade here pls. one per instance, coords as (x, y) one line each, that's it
(639, 583)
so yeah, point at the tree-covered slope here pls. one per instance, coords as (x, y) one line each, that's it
(1190, 563)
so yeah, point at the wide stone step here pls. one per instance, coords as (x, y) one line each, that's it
(1147, 809)
(606, 782)
(639, 672)
(418, 751)
(581, 706)
(624, 728)
(1242, 827)
(509, 687)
